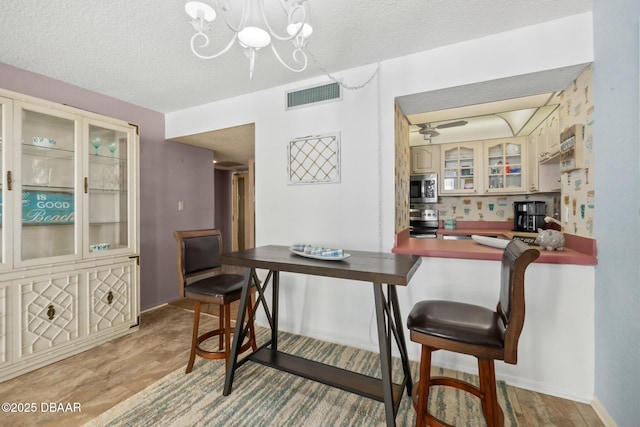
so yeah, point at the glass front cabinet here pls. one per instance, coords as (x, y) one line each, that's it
(505, 165)
(460, 168)
(69, 225)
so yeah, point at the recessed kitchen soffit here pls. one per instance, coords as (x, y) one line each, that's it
(501, 108)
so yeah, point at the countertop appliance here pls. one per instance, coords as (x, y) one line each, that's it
(423, 223)
(423, 188)
(529, 216)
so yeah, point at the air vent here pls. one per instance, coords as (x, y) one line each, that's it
(313, 95)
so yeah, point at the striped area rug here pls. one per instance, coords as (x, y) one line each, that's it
(262, 396)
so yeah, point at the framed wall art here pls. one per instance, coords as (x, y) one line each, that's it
(314, 159)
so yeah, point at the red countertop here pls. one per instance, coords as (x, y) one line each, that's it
(578, 250)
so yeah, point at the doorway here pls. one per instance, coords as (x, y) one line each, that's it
(243, 213)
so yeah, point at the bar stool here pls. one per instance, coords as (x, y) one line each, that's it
(478, 331)
(203, 280)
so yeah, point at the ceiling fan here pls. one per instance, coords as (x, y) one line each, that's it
(429, 132)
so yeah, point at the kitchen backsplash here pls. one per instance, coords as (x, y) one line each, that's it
(487, 208)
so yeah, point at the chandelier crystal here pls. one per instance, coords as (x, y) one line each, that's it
(253, 32)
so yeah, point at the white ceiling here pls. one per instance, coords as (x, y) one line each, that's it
(138, 51)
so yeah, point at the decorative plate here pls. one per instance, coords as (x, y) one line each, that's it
(491, 241)
(326, 258)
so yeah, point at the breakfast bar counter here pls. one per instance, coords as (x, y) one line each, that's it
(578, 250)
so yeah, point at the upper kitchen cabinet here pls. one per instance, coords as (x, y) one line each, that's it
(548, 136)
(460, 168)
(425, 159)
(505, 165)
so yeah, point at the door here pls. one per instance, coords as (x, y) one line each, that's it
(243, 218)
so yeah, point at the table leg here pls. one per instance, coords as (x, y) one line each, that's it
(275, 281)
(402, 344)
(238, 337)
(384, 341)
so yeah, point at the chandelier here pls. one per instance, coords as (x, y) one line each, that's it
(253, 31)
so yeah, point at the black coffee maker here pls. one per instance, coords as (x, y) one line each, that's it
(529, 216)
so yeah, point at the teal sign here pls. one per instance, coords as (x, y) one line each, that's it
(47, 208)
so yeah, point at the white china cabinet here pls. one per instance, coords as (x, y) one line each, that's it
(69, 225)
(505, 165)
(460, 168)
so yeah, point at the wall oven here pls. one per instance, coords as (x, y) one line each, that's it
(423, 188)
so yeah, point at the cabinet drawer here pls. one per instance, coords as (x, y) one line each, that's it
(110, 296)
(48, 313)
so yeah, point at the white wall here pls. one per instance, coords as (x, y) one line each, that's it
(358, 213)
(616, 80)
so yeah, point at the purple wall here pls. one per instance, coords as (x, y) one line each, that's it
(223, 208)
(169, 172)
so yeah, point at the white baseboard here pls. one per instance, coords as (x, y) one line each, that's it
(602, 413)
(153, 308)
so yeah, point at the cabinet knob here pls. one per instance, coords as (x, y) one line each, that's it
(110, 297)
(51, 312)
(9, 180)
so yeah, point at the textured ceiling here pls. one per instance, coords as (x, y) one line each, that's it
(138, 51)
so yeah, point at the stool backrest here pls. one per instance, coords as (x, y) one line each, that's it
(511, 307)
(197, 252)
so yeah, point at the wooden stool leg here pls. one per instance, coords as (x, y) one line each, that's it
(194, 339)
(227, 335)
(490, 406)
(423, 386)
(220, 326)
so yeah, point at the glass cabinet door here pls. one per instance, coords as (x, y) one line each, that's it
(6, 112)
(47, 167)
(504, 166)
(108, 184)
(459, 169)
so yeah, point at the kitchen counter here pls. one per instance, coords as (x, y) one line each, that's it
(578, 250)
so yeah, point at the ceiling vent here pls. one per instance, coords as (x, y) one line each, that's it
(313, 95)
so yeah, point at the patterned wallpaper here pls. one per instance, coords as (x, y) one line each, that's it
(578, 195)
(403, 167)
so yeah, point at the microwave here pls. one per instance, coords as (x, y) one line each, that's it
(423, 188)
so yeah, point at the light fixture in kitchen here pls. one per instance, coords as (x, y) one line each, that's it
(253, 31)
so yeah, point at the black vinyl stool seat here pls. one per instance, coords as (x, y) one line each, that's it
(204, 281)
(478, 331)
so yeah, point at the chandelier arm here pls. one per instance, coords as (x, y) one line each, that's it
(296, 55)
(225, 11)
(206, 43)
(290, 13)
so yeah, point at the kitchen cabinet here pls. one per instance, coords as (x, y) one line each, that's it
(505, 165)
(460, 168)
(425, 159)
(543, 177)
(548, 136)
(532, 163)
(69, 265)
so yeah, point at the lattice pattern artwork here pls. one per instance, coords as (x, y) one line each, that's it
(314, 159)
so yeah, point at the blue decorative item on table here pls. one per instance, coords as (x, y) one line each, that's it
(318, 252)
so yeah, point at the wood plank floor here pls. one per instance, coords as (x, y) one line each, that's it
(104, 376)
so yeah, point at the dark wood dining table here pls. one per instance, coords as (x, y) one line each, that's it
(383, 270)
